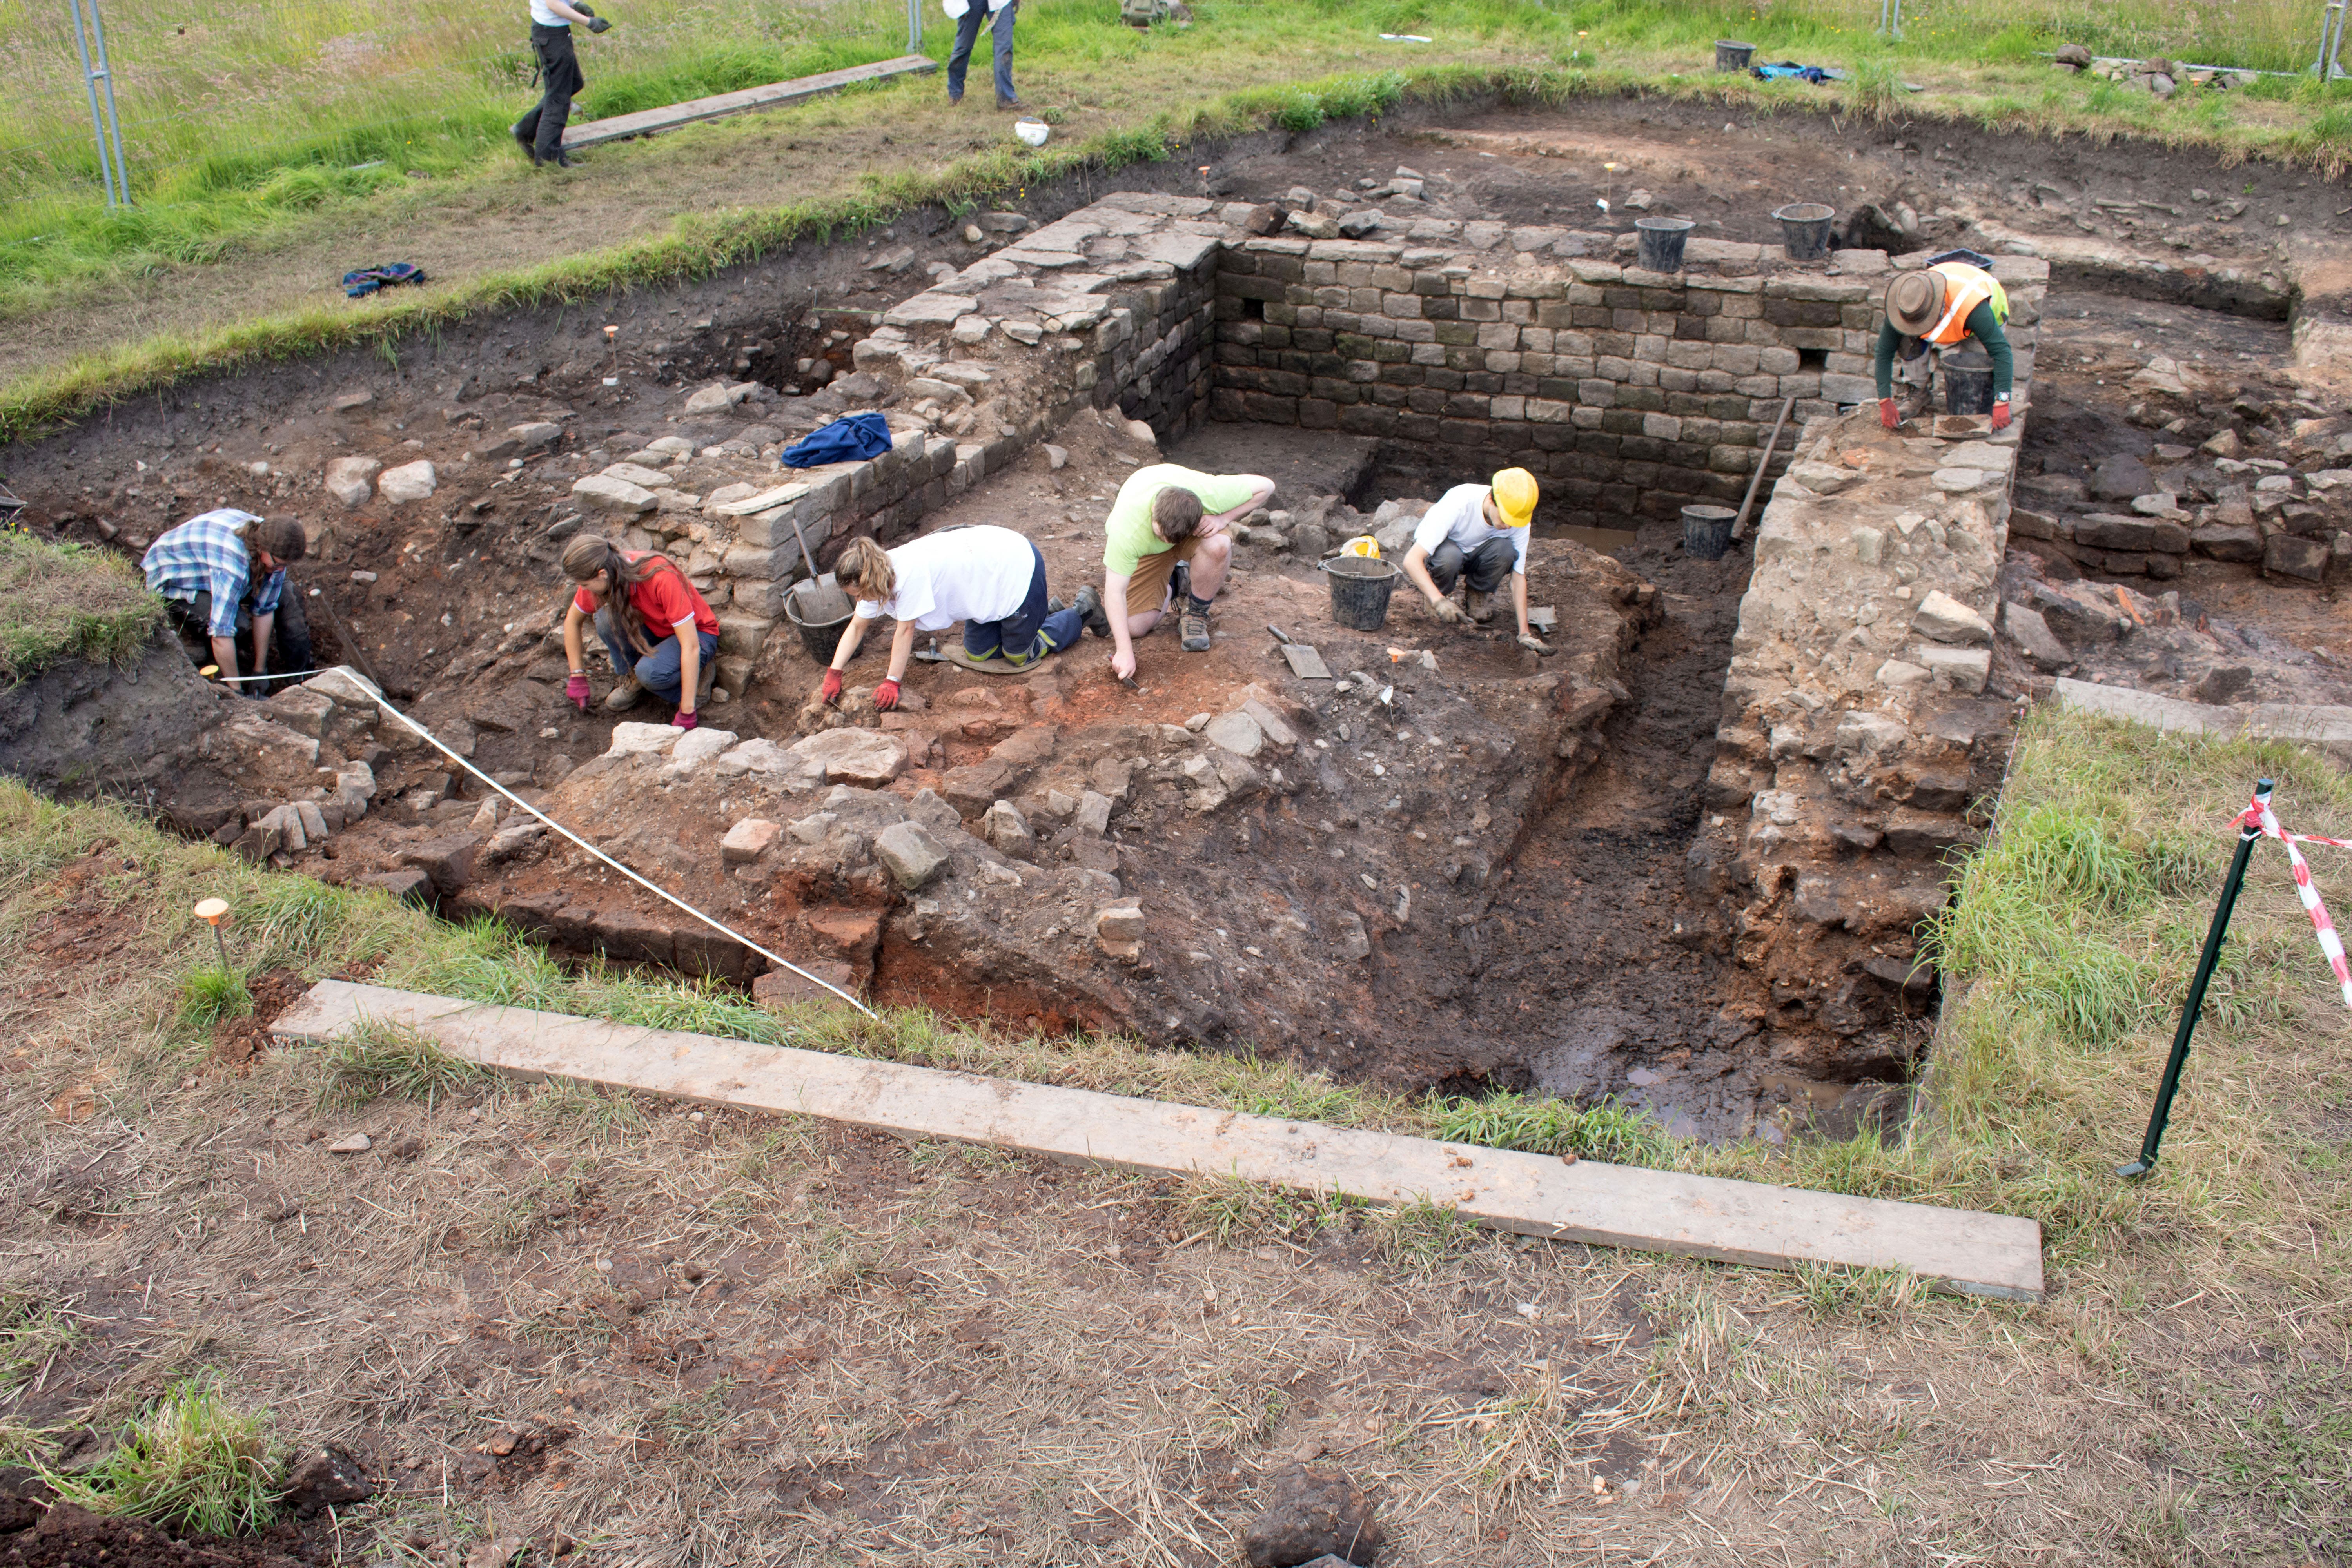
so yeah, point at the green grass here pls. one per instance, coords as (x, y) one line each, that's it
(60, 602)
(378, 1060)
(209, 996)
(190, 1463)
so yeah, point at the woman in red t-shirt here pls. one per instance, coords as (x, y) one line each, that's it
(661, 636)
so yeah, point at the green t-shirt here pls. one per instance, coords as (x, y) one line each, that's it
(1128, 534)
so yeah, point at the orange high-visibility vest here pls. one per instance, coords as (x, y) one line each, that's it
(1965, 287)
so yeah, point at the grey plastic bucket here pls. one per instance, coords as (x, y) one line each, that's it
(819, 637)
(1706, 531)
(1805, 229)
(1662, 243)
(1361, 587)
(1967, 383)
(1732, 56)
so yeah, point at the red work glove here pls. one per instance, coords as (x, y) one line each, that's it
(576, 689)
(1886, 414)
(685, 720)
(830, 689)
(885, 695)
(2000, 416)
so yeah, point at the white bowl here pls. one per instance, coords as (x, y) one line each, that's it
(1033, 132)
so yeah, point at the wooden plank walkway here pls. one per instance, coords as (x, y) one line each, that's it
(775, 95)
(1534, 1194)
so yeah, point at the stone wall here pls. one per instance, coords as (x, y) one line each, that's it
(1628, 394)
(1110, 307)
(1860, 739)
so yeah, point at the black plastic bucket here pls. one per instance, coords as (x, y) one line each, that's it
(1732, 56)
(1361, 587)
(1805, 229)
(1967, 383)
(820, 639)
(1662, 243)
(1706, 531)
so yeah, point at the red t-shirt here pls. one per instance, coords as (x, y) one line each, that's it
(662, 601)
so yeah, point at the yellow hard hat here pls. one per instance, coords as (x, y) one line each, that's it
(1363, 544)
(1514, 495)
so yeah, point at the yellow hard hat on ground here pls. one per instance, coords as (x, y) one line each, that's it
(1363, 544)
(1515, 497)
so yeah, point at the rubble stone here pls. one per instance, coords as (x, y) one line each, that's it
(865, 758)
(409, 482)
(748, 840)
(351, 481)
(910, 855)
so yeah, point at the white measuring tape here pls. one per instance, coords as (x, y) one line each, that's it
(660, 892)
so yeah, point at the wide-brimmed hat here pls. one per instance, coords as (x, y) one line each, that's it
(1915, 302)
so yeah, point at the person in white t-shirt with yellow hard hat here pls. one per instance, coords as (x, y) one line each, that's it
(1476, 535)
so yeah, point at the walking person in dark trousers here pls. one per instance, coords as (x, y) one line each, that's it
(542, 131)
(968, 15)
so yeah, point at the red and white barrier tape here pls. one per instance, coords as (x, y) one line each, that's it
(2257, 813)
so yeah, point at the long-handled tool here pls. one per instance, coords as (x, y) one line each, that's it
(822, 600)
(1740, 523)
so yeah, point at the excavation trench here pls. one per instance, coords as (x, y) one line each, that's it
(1681, 862)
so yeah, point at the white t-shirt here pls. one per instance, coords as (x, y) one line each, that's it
(545, 18)
(1460, 515)
(960, 574)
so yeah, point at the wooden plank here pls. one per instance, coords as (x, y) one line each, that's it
(1534, 1194)
(644, 122)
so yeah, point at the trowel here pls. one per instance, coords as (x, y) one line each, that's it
(821, 599)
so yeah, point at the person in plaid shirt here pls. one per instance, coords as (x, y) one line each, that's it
(223, 571)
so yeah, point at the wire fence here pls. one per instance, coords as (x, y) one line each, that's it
(215, 86)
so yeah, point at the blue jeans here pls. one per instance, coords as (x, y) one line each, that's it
(967, 34)
(658, 671)
(1029, 633)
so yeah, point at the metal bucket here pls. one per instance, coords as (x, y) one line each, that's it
(1967, 383)
(1706, 531)
(1662, 243)
(1732, 56)
(1805, 229)
(1360, 591)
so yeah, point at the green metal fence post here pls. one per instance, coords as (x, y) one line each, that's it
(2196, 1001)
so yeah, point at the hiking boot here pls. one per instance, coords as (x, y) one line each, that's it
(564, 160)
(1194, 628)
(1089, 605)
(1480, 605)
(1004, 103)
(1179, 584)
(624, 697)
(1054, 607)
(527, 143)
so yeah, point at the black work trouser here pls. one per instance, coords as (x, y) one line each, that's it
(1486, 566)
(559, 82)
(290, 635)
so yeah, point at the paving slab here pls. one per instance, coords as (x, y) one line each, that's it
(1532, 1194)
(2328, 726)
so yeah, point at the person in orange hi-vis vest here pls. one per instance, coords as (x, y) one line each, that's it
(1936, 307)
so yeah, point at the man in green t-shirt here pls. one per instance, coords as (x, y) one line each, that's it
(1166, 542)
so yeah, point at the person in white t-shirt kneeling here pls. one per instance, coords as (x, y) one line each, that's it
(1478, 535)
(992, 579)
